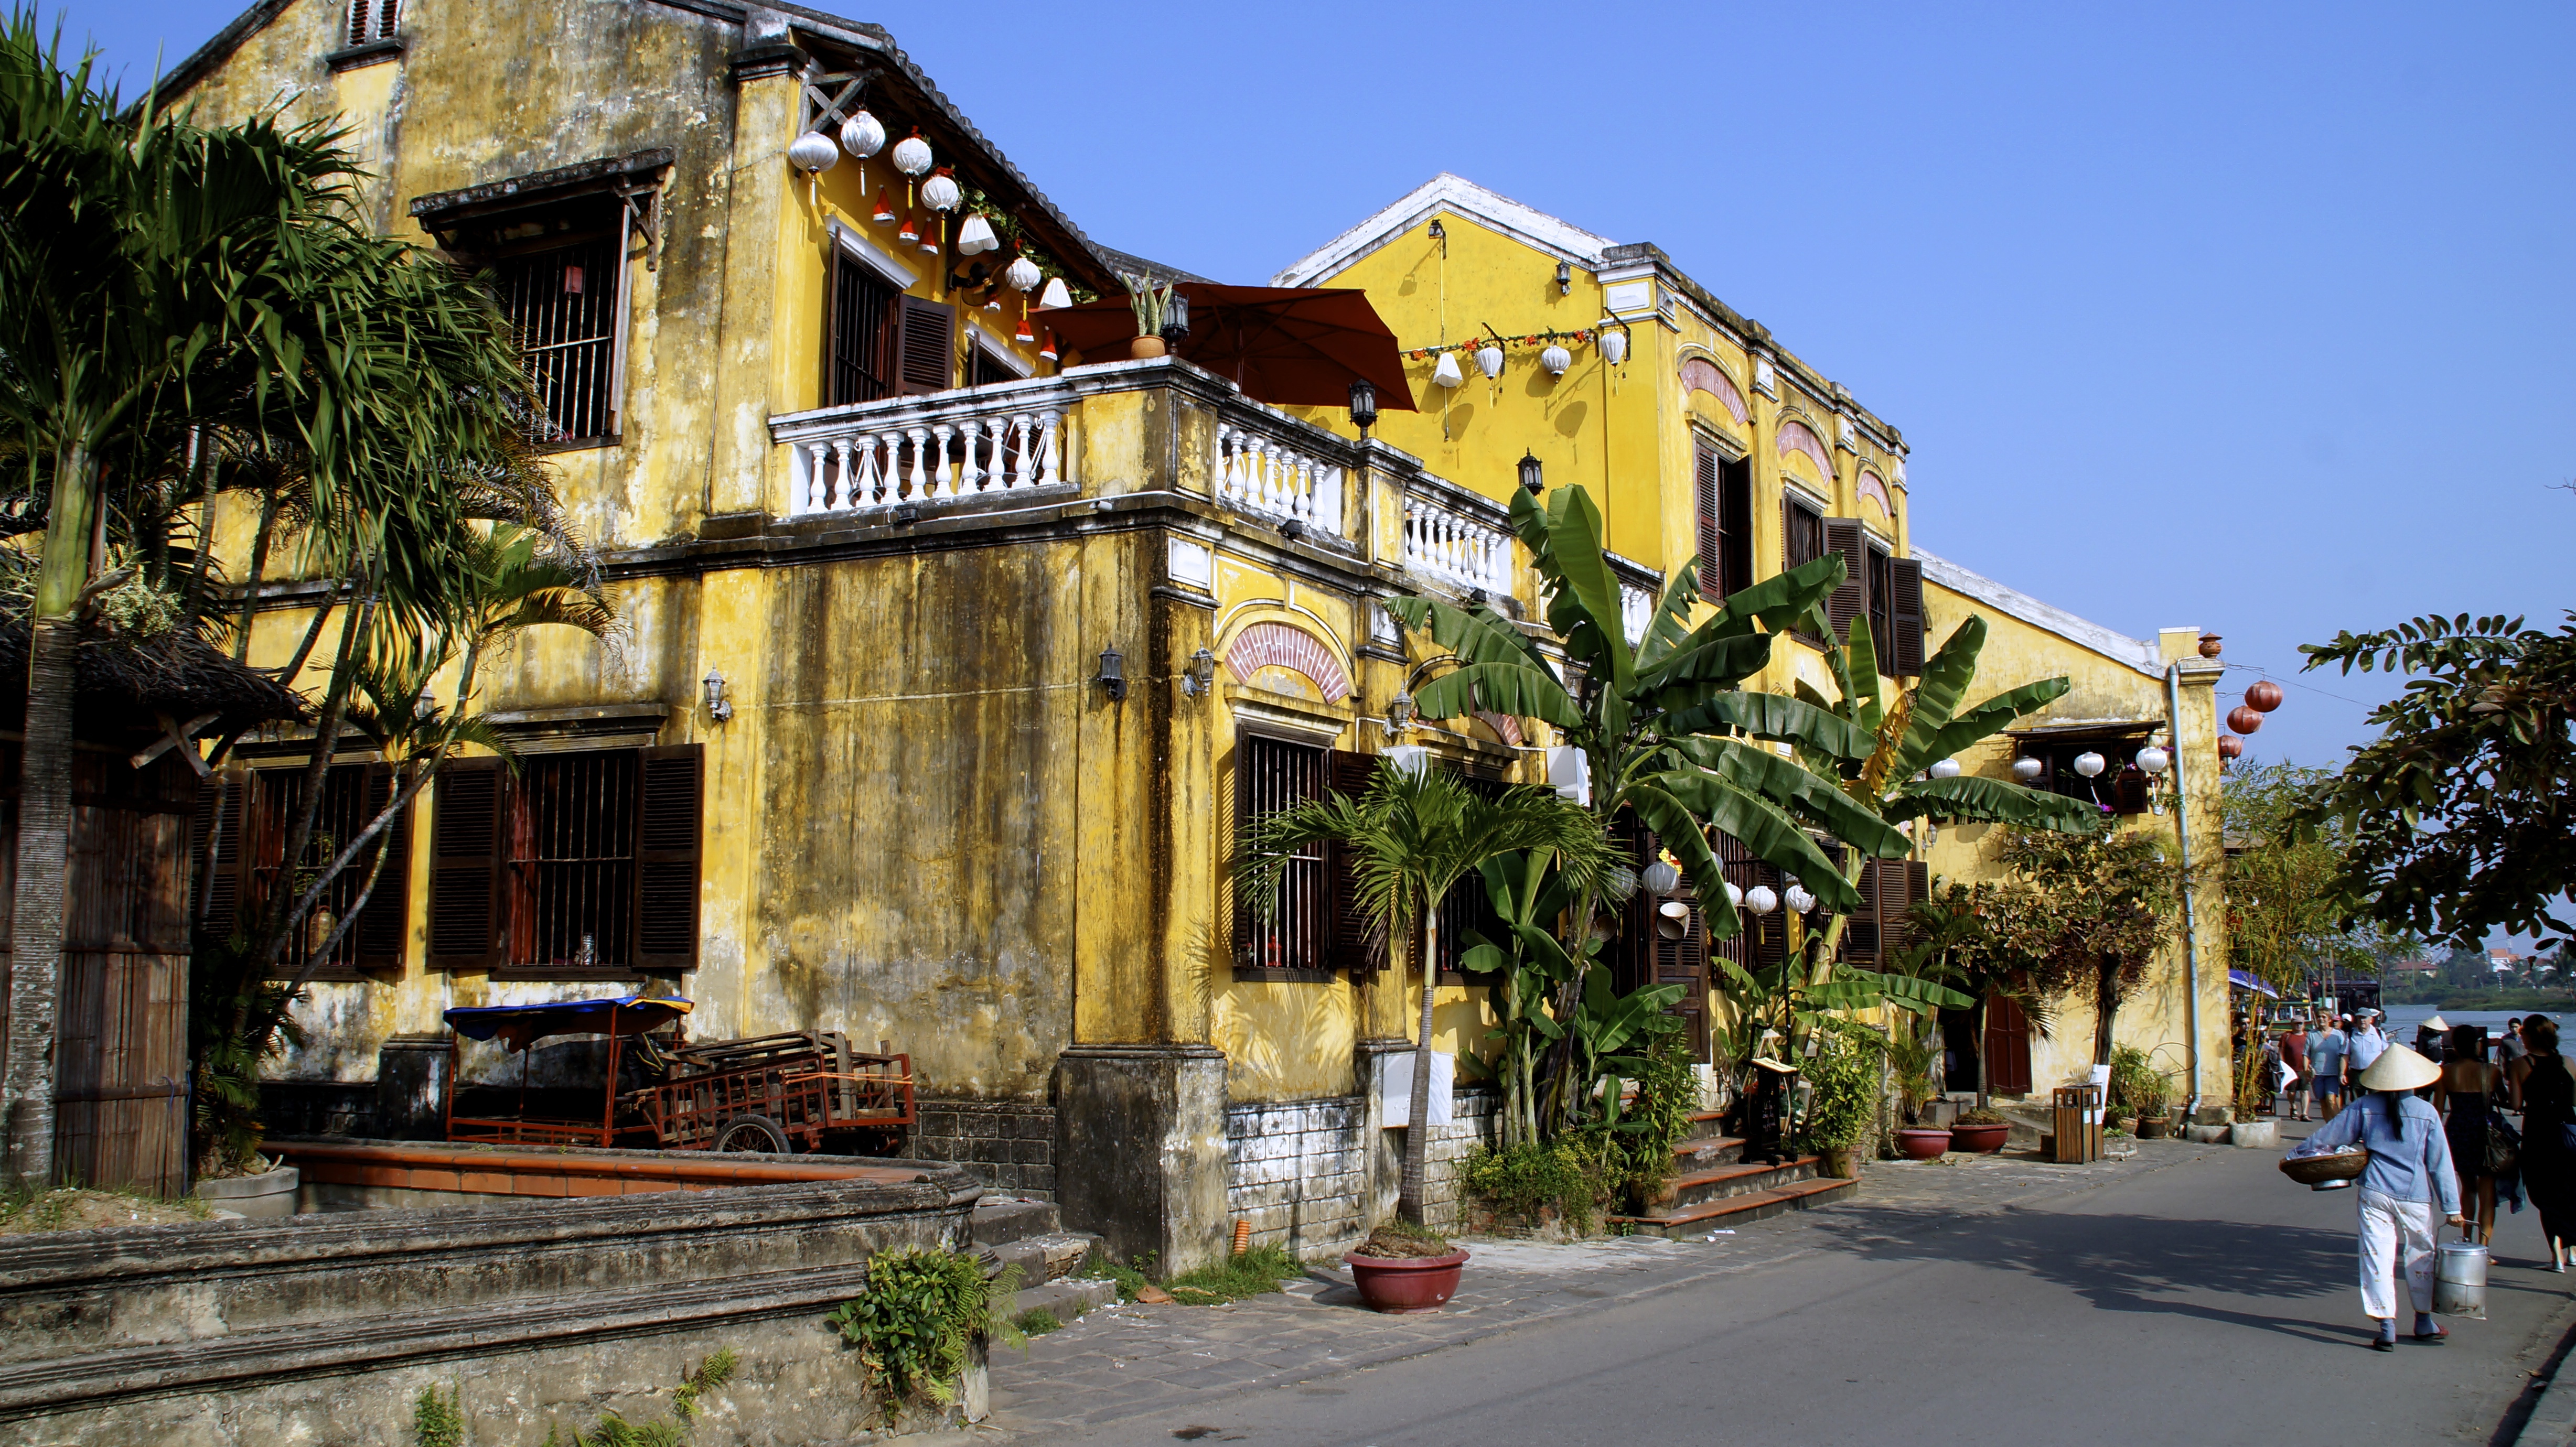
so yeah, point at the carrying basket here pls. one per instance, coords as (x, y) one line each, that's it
(2317, 1170)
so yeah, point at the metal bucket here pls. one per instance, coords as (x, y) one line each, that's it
(2460, 1280)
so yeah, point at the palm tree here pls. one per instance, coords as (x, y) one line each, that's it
(1414, 835)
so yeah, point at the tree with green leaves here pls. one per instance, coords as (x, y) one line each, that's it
(1413, 836)
(2460, 818)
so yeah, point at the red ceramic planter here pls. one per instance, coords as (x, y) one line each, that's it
(1406, 1283)
(1922, 1143)
(1985, 1139)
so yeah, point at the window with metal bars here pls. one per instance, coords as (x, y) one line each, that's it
(861, 336)
(242, 865)
(580, 866)
(563, 304)
(1291, 938)
(373, 20)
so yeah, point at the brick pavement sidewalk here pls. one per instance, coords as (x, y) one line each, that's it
(1127, 1360)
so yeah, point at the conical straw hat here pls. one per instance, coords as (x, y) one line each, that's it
(2399, 1068)
(2437, 1024)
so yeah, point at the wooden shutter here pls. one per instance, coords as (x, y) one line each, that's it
(1862, 932)
(467, 928)
(385, 924)
(1896, 930)
(925, 348)
(1851, 600)
(2007, 1048)
(1349, 947)
(832, 393)
(671, 788)
(1905, 579)
(1712, 548)
(223, 898)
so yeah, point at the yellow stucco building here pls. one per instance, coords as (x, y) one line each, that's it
(951, 666)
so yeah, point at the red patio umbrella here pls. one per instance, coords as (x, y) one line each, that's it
(1291, 346)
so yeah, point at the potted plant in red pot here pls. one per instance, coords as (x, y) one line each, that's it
(1922, 1143)
(1980, 1130)
(1406, 1269)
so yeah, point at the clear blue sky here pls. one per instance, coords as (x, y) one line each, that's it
(2249, 317)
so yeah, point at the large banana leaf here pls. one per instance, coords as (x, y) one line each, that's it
(1911, 992)
(1708, 657)
(1764, 828)
(1946, 676)
(1860, 672)
(1781, 599)
(1775, 716)
(1671, 622)
(1990, 717)
(1505, 688)
(1582, 574)
(1679, 829)
(1478, 636)
(1821, 801)
(1992, 801)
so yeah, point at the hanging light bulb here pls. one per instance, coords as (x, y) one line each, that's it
(1946, 769)
(2154, 761)
(1798, 899)
(2089, 764)
(1761, 900)
(941, 192)
(2028, 769)
(1023, 274)
(1735, 896)
(813, 153)
(912, 158)
(1056, 293)
(975, 236)
(863, 135)
(1662, 878)
(1614, 347)
(1489, 360)
(1555, 359)
(1446, 372)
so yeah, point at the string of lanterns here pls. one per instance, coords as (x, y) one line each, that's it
(1489, 352)
(863, 136)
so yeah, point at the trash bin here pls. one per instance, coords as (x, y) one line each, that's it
(2460, 1280)
(2078, 1122)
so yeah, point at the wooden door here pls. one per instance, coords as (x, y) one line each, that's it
(2007, 1048)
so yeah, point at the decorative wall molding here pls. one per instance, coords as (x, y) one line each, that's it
(1798, 437)
(1699, 374)
(1279, 645)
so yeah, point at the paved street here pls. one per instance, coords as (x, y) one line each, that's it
(2188, 1294)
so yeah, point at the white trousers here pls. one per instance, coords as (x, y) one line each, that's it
(2396, 1237)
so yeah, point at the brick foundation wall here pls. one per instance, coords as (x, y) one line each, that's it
(1005, 1145)
(1303, 1175)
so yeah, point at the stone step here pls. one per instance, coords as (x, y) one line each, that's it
(1733, 1211)
(1740, 1178)
(1067, 1299)
(1701, 1152)
(999, 1219)
(1050, 1257)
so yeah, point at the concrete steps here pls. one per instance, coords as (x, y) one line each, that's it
(1031, 1235)
(1717, 1187)
(1737, 1210)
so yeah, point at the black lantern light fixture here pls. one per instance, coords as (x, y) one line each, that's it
(1399, 714)
(1363, 406)
(1112, 677)
(1201, 674)
(1565, 278)
(719, 707)
(1176, 317)
(1531, 478)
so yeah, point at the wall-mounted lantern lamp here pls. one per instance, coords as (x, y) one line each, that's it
(1532, 476)
(1176, 317)
(425, 707)
(1399, 714)
(1201, 674)
(717, 708)
(1363, 407)
(1564, 278)
(1112, 677)
(1440, 234)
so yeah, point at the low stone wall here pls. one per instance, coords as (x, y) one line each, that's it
(324, 1328)
(1006, 1145)
(1309, 1177)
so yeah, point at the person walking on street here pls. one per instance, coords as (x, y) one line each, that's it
(2544, 1090)
(2325, 1053)
(2294, 1054)
(2509, 1046)
(2363, 1044)
(2408, 1177)
(2467, 1094)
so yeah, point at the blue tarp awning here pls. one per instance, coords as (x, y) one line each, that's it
(519, 1026)
(2244, 981)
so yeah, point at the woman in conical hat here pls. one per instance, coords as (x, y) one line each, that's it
(2409, 1175)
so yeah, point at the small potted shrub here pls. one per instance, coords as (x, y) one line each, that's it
(1842, 1102)
(1402, 1268)
(1980, 1130)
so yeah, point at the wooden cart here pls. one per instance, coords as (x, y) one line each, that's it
(775, 1093)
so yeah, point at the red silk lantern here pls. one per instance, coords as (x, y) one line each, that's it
(2230, 747)
(2263, 694)
(2243, 719)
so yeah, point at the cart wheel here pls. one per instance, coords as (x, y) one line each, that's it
(752, 1133)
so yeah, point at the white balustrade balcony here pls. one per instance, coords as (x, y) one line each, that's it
(1256, 470)
(1456, 537)
(1636, 611)
(927, 451)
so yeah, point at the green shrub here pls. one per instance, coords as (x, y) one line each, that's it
(1037, 1321)
(1844, 1082)
(1521, 1180)
(918, 1319)
(438, 1421)
(2136, 1085)
(615, 1431)
(1638, 1152)
(1254, 1273)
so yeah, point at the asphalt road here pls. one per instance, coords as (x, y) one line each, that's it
(2212, 1302)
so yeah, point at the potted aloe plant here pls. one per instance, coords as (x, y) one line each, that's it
(1152, 305)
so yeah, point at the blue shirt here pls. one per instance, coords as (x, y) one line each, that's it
(2325, 1049)
(2366, 1046)
(2411, 1163)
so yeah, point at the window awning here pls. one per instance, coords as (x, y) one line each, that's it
(2105, 728)
(2238, 979)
